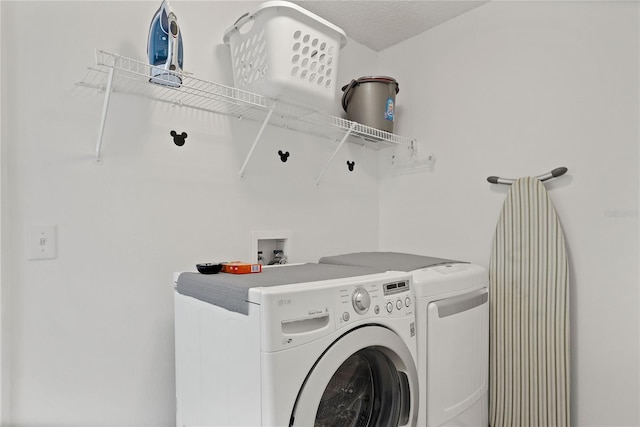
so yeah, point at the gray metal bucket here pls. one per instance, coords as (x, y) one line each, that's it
(371, 101)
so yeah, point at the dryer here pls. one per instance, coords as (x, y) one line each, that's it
(452, 323)
(296, 345)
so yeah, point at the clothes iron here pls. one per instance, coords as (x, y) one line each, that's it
(164, 47)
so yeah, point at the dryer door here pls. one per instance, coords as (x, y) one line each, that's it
(367, 378)
(458, 360)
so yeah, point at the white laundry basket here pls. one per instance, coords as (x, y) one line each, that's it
(283, 51)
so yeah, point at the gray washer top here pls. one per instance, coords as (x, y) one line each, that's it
(386, 261)
(231, 291)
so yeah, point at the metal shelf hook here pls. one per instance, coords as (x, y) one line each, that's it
(544, 177)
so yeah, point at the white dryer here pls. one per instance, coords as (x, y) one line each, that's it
(296, 345)
(452, 322)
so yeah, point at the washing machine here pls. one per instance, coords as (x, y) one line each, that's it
(296, 345)
(452, 323)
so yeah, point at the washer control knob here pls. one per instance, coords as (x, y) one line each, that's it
(345, 316)
(398, 304)
(407, 302)
(389, 307)
(361, 301)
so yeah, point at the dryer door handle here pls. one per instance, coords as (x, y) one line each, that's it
(450, 306)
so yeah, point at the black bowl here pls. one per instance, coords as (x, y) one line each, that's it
(209, 268)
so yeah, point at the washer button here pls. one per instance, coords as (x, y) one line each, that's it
(398, 304)
(389, 307)
(407, 302)
(345, 316)
(376, 309)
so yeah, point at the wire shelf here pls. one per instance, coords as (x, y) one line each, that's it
(113, 73)
(132, 77)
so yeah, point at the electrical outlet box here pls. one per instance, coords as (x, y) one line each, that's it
(269, 241)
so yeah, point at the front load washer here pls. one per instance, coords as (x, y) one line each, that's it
(452, 323)
(296, 345)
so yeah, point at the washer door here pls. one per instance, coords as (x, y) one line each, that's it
(367, 378)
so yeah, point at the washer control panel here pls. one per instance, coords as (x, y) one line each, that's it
(397, 296)
(374, 299)
(292, 315)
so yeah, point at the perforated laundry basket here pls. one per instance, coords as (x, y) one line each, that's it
(283, 51)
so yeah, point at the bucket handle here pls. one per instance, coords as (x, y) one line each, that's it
(348, 93)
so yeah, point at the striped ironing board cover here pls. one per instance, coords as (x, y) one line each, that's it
(529, 321)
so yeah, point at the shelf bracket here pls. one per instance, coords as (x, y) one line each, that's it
(105, 108)
(255, 142)
(344, 139)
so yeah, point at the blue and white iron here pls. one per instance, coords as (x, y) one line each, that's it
(164, 47)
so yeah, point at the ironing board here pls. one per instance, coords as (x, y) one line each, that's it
(529, 321)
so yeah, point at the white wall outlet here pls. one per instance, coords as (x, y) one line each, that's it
(42, 242)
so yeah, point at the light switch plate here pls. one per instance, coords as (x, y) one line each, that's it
(42, 242)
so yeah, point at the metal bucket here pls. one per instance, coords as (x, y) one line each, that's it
(371, 101)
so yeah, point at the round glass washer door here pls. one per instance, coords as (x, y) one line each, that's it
(367, 378)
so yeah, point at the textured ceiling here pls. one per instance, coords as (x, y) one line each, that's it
(380, 24)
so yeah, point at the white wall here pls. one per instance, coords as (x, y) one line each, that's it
(516, 89)
(4, 366)
(511, 88)
(92, 331)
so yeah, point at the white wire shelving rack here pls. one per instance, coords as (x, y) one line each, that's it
(113, 73)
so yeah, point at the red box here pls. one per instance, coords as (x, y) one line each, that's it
(238, 267)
